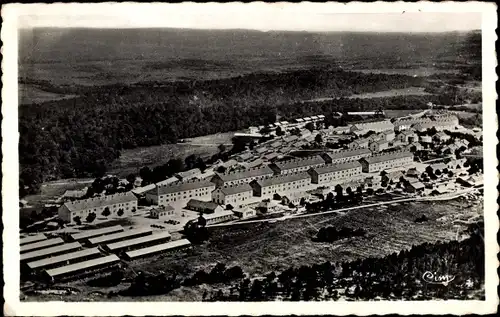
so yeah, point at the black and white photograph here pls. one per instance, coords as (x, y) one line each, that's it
(283, 153)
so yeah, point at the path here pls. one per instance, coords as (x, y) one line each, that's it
(443, 197)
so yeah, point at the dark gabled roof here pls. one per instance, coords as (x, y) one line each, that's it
(387, 157)
(336, 167)
(283, 179)
(301, 162)
(236, 189)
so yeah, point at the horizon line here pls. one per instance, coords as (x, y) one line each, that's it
(242, 29)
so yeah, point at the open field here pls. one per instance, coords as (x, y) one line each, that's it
(411, 91)
(420, 72)
(132, 160)
(33, 94)
(259, 249)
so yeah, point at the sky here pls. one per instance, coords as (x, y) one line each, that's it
(410, 17)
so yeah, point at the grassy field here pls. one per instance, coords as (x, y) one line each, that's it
(411, 91)
(259, 249)
(132, 160)
(33, 94)
(420, 72)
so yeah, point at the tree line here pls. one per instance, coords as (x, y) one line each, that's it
(80, 137)
(399, 276)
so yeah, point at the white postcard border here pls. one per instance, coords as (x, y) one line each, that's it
(10, 168)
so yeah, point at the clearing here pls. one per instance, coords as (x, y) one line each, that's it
(132, 160)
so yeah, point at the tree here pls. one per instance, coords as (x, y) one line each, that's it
(222, 148)
(120, 212)
(174, 165)
(265, 130)
(91, 217)
(221, 169)
(145, 173)
(302, 201)
(201, 164)
(131, 178)
(190, 161)
(310, 126)
(106, 212)
(279, 131)
(318, 138)
(77, 220)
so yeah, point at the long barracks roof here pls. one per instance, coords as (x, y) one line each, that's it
(283, 179)
(336, 167)
(63, 258)
(110, 259)
(300, 162)
(158, 248)
(236, 189)
(120, 235)
(100, 201)
(48, 251)
(138, 241)
(42, 244)
(97, 232)
(254, 172)
(349, 153)
(33, 239)
(387, 157)
(183, 186)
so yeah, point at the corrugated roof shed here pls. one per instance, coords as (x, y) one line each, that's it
(97, 232)
(158, 248)
(219, 214)
(110, 259)
(138, 241)
(41, 244)
(48, 251)
(33, 239)
(63, 258)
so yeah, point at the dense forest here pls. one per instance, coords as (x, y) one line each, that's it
(80, 137)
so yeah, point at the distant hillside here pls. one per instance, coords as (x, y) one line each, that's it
(117, 55)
